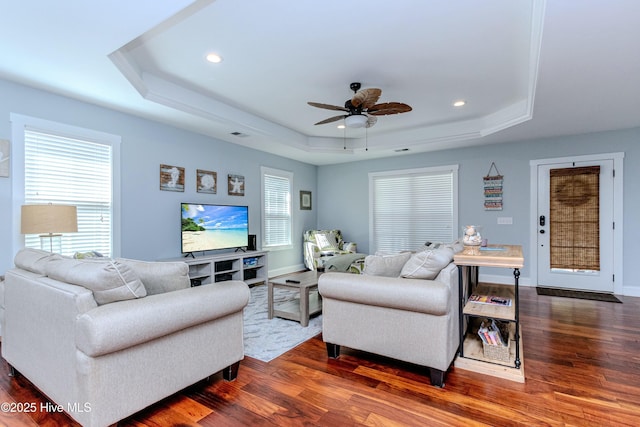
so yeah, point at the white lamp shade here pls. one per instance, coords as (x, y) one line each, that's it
(41, 219)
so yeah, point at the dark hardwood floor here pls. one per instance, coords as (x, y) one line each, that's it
(582, 367)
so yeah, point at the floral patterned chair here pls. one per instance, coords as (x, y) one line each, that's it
(326, 250)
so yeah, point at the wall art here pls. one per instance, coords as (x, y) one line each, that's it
(235, 185)
(207, 181)
(493, 190)
(4, 158)
(171, 178)
(305, 200)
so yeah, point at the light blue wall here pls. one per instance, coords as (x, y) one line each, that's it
(343, 189)
(150, 217)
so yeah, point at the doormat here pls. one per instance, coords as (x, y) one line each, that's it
(568, 293)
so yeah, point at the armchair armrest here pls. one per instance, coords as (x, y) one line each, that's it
(116, 326)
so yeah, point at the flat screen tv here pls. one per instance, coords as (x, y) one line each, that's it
(211, 227)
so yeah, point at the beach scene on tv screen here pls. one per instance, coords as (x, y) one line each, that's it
(210, 227)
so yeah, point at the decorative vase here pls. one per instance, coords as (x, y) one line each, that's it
(471, 235)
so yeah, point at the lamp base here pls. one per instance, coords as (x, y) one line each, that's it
(51, 242)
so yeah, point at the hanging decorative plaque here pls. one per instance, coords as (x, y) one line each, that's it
(493, 190)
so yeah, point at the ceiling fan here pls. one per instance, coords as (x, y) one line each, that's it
(362, 109)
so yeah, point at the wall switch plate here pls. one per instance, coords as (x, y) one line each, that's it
(505, 220)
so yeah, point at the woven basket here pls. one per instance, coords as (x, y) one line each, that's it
(496, 352)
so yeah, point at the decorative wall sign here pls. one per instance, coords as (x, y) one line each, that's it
(236, 185)
(4, 158)
(171, 178)
(207, 181)
(493, 190)
(305, 200)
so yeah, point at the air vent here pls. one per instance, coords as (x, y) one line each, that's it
(239, 134)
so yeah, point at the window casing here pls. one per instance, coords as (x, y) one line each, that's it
(410, 207)
(67, 165)
(276, 208)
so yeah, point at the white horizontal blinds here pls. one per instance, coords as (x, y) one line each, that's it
(63, 170)
(277, 209)
(412, 208)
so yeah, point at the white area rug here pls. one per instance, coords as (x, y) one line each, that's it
(266, 339)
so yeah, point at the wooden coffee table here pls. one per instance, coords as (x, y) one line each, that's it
(296, 309)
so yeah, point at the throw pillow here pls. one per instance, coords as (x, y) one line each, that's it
(427, 264)
(34, 260)
(88, 254)
(327, 242)
(160, 277)
(109, 280)
(385, 265)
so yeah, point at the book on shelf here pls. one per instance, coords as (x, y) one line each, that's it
(490, 299)
(493, 333)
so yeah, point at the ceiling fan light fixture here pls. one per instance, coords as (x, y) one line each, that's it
(214, 58)
(356, 121)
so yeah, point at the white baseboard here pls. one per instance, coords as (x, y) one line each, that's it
(287, 270)
(631, 291)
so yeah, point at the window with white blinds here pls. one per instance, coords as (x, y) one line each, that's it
(276, 203)
(411, 207)
(64, 170)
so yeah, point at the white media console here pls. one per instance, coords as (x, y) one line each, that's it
(251, 267)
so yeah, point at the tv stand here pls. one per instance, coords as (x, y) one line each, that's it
(248, 266)
(239, 248)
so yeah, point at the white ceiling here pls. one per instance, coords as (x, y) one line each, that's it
(527, 69)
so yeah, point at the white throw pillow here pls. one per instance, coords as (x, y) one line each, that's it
(327, 242)
(160, 277)
(109, 280)
(427, 264)
(385, 265)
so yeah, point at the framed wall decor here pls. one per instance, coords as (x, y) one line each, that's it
(207, 181)
(171, 178)
(235, 184)
(493, 190)
(4, 158)
(305, 200)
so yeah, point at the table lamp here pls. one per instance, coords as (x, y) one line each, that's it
(49, 221)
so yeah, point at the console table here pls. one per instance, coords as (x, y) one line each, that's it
(471, 356)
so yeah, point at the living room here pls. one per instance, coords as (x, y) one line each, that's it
(148, 224)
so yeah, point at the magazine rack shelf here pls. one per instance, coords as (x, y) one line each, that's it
(480, 301)
(250, 267)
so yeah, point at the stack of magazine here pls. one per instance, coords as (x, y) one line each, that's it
(490, 299)
(494, 333)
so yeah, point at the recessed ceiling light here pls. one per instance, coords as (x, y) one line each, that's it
(342, 126)
(214, 57)
(460, 103)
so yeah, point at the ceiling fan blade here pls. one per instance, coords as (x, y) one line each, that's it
(371, 120)
(327, 106)
(331, 119)
(366, 98)
(387, 108)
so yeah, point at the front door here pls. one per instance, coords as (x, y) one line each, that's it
(575, 225)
